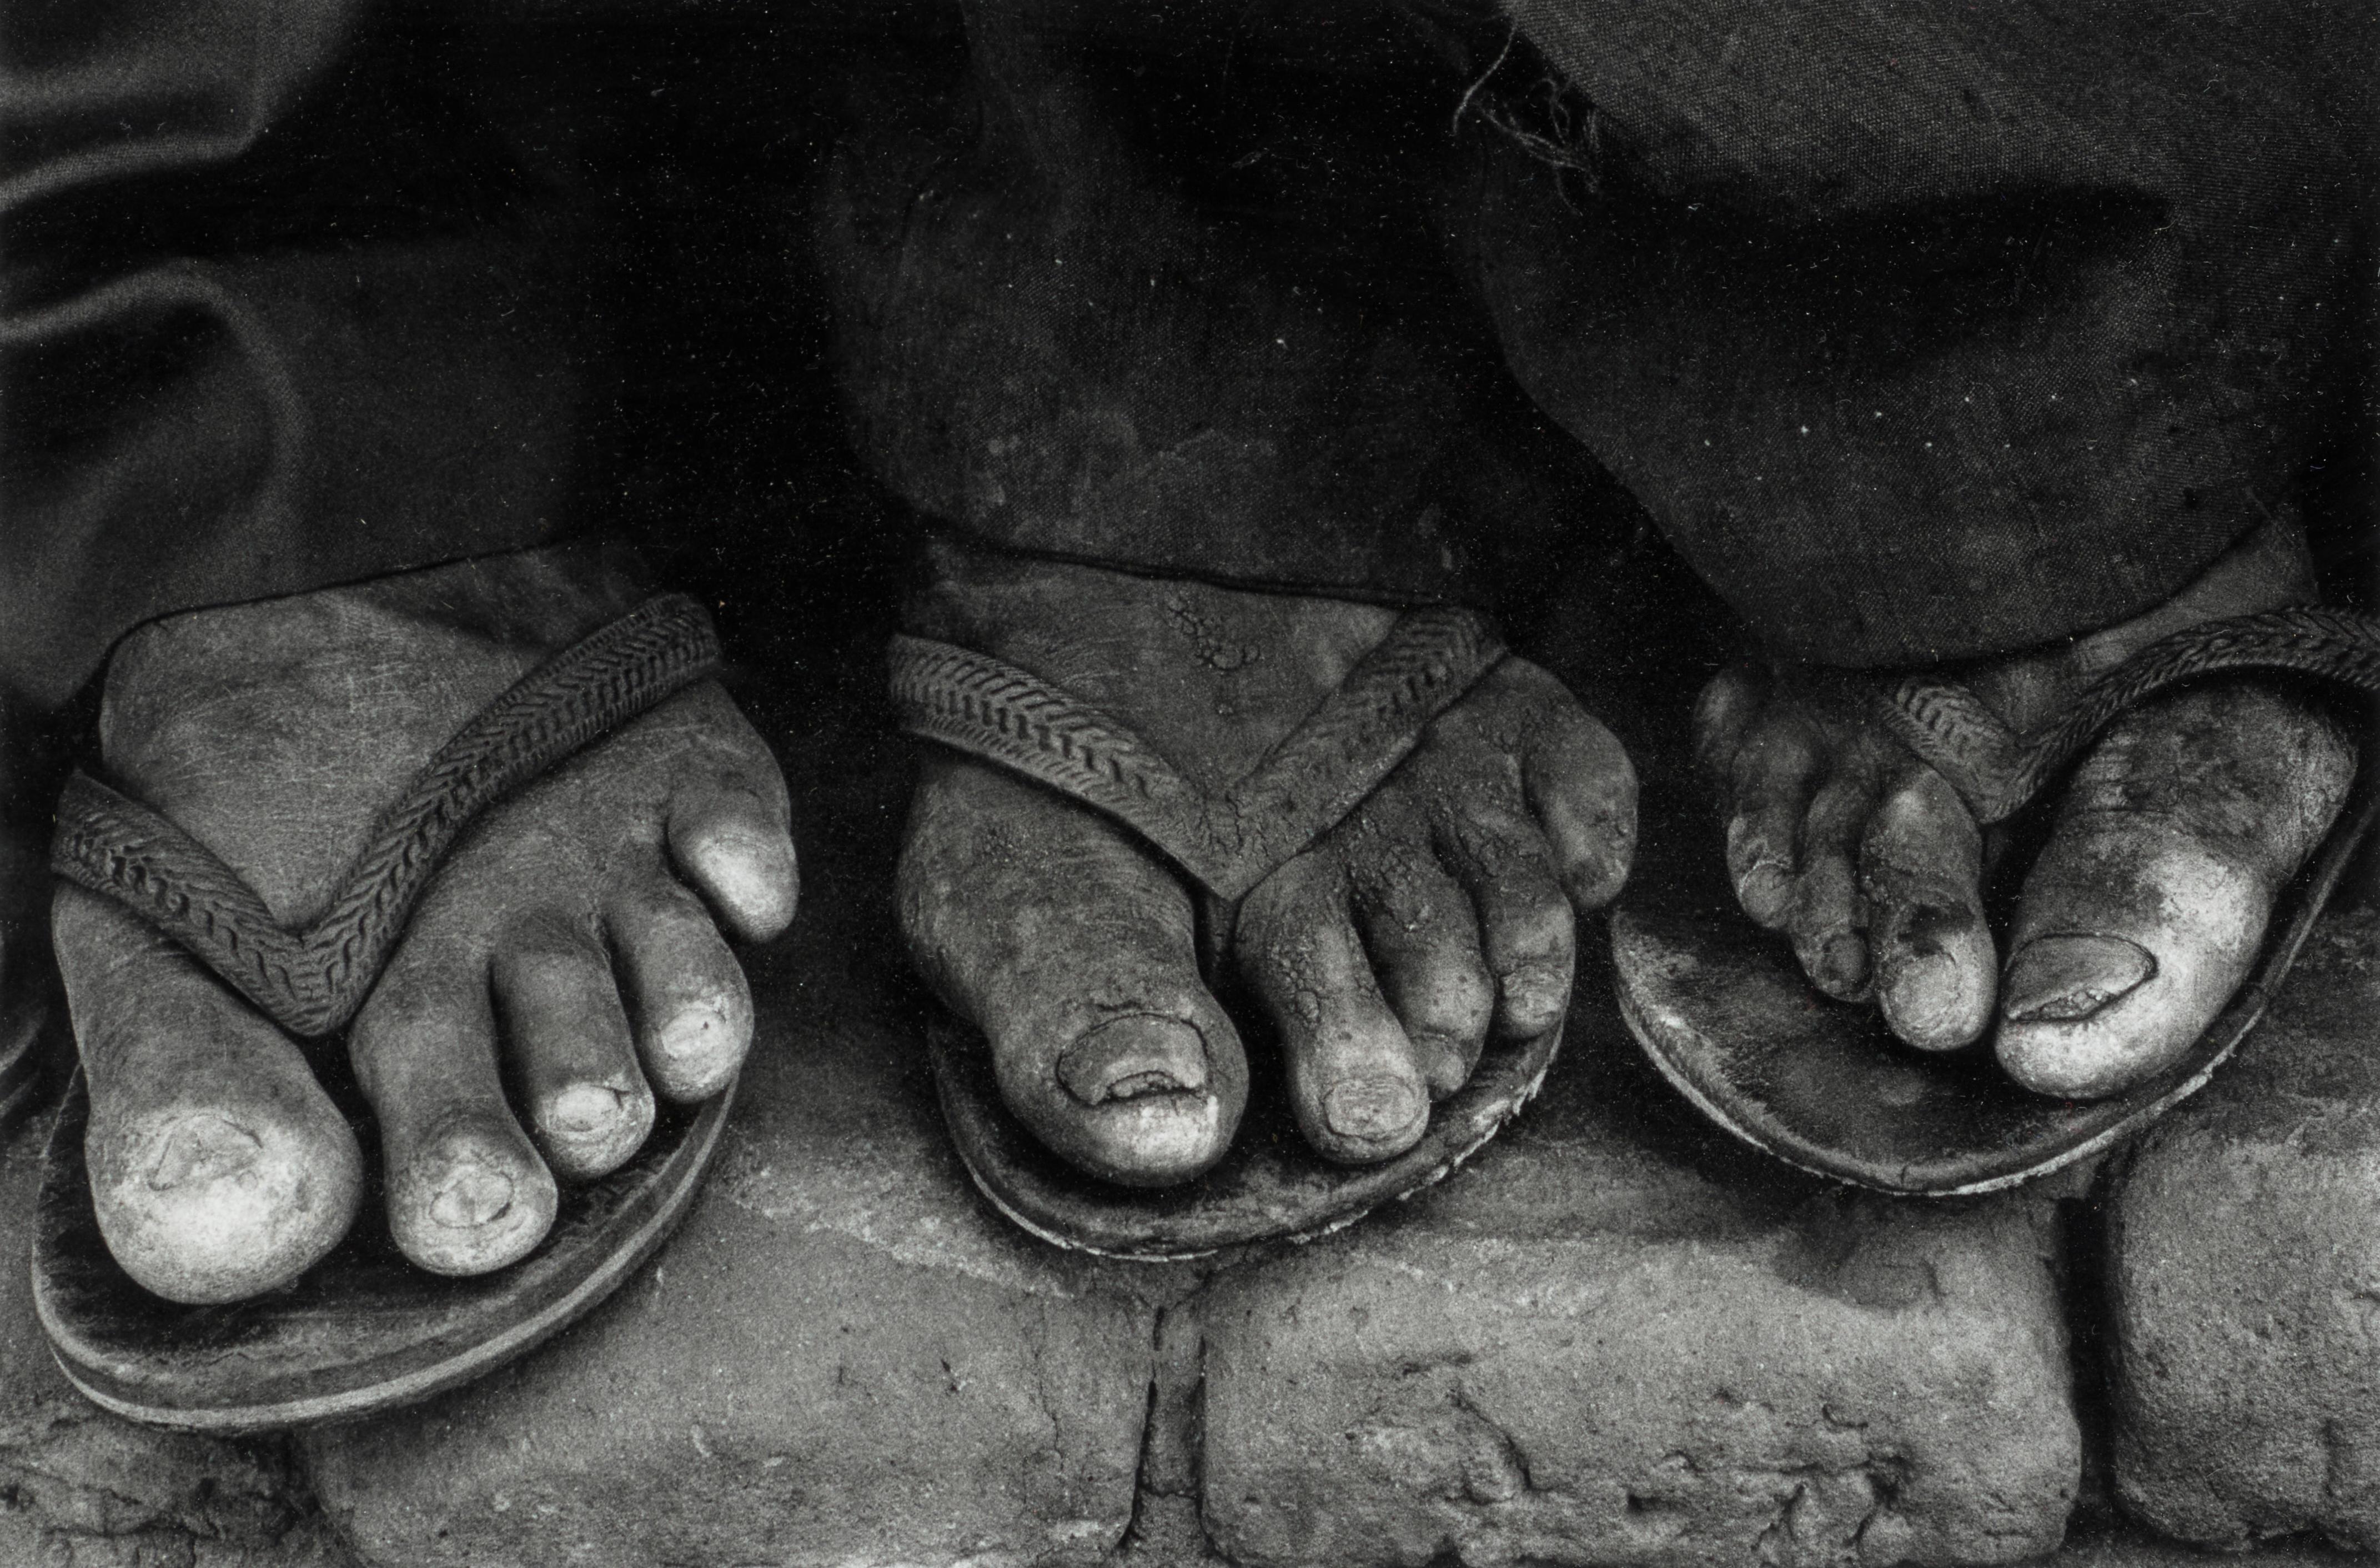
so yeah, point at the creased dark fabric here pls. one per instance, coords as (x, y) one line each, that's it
(1931, 329)
(188, 429)
(1057, 344)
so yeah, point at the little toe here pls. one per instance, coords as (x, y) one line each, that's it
(572, 1059)
(738, 851)
(2145, 911)
(1417, 926)
(686, 994)
(466, 1192)
(1075, 953)
(1357, 1081)
(1581, 788)
(1921, 870)
(218, 1167)
(1723, 716)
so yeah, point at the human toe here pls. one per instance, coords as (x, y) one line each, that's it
(219, 1169)
(1358, 1082)
(688, 999)
(1074, 953)
(1921, 870)
(569, 1050)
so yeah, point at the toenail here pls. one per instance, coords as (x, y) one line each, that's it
(1842, 964)
(202, 1149)
(2065, 979)
(1765, 890)
(1373, 1109)
(1450, 1064)
(1126, 1058)
(475, 1195)
(1535, 995)
(584, 1110)
(693, 1038)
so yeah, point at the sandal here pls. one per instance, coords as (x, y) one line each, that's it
(1271, 1185)
(363, 1330)
(1726, 1016)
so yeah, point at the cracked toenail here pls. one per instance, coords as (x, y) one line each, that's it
(2064, 979)
(1535, 994)
(584, 1109)
(202, 1149)
(1373, 1109)
(1126, 1058)
(475, 1195)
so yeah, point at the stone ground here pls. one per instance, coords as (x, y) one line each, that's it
(1615, 1339)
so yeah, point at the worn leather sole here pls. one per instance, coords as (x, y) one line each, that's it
(1271, 1185)
(1722, 1009)
(364, 1330)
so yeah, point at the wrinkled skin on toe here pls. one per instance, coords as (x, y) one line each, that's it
(569, 964)
(1439, 912)
(2144, 909)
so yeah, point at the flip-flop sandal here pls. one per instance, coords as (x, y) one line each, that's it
(363, 1330)
(1724, 1012)
(1272, 1183)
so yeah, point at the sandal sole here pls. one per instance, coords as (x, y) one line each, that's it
(363, 1330)
(1724, 1012)
(1270, 1186)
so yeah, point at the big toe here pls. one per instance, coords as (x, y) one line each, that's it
(1074, 953)
(219, 1169)
(2146, 909)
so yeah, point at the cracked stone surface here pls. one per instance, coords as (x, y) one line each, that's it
(2243, 1264)
(1614, 1341)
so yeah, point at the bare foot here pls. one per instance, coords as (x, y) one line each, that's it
(565, 966)
(1438, 912)
(2140, 916)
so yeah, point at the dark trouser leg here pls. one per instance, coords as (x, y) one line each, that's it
(1942, 335)
(1187, 427)
(1992, 336)
(229, 372)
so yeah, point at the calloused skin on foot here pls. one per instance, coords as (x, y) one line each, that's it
(568, 964)
(2145, 909)
(1441, 911)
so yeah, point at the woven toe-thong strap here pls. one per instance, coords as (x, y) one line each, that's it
(310, 983)
(1997, 771)
(1302, 788)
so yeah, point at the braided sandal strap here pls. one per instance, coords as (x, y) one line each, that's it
(1997, 771)
(312, 981)
(1228, 843)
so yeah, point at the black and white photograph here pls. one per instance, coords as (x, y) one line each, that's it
(1189, 783)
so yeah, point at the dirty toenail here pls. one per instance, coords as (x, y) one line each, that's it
(1842, 967)
(1766, 889)
(585, 1110)
(2065, 979)
(1373, 1109)
(202, 1149)
(475, 1195)
(1535, 995)
(1450, 1064)
(1126, 1058)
